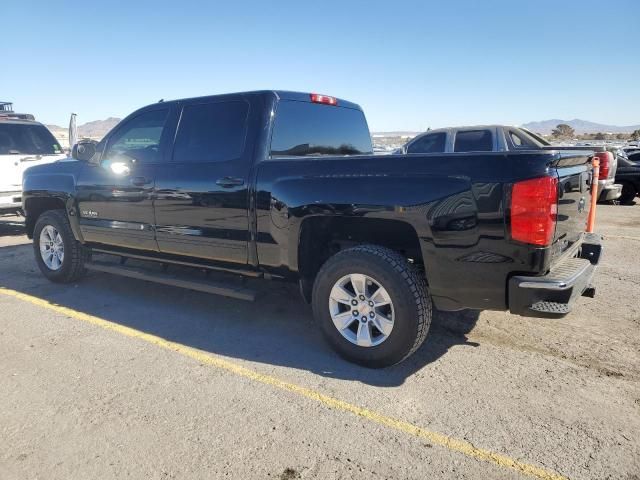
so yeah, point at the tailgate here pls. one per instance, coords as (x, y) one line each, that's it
(574, 198)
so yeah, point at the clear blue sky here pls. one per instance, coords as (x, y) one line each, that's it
(410, 65)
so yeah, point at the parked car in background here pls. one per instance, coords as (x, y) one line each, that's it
(285, 185)
(23, 143)
(501, 138)
(630, 151)
(628, 175)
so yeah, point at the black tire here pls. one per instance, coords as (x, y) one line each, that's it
(628, 193)
(407, 289)
(72, 267)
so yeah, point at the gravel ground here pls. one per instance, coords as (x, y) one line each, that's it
(78, 401)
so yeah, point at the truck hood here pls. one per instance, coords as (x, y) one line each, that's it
(12, 167)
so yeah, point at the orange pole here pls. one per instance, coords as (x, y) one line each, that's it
(591, 219)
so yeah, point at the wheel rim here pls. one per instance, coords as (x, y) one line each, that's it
(51, 248)
(361, 310)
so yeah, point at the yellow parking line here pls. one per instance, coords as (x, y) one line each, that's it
(453, 444)
(621, 237)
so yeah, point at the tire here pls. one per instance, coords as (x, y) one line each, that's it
(410, 305)
(628, 193)
(71, 268)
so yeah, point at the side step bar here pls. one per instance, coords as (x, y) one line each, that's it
(175, 280)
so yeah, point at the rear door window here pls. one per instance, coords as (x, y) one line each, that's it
(311, 129)
(429, 143)
(473, 141)
(211, 132)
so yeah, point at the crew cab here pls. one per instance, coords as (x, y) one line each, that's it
(284, 185)
(501, 138)
(23, 143)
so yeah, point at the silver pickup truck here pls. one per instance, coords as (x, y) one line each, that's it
(502, 138)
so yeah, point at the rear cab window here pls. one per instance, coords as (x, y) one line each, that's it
(429, 143)
(521, 140)
(473, 141)
(312, 129)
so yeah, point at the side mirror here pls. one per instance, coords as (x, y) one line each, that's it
(84, 150)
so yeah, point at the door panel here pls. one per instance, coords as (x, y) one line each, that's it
(197, 217)
(113, 209)
(201, 193)
(115, 196)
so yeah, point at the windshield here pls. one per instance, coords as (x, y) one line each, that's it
(31, 139)
(310, 129)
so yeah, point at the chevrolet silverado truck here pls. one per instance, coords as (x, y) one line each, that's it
(502, 138)
(284, 185)
(23, 143)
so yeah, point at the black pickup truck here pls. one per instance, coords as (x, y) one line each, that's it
(284, 185)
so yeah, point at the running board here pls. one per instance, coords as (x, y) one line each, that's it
(175, 280)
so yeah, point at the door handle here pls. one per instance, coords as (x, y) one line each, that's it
(140, 181)
(228, 182)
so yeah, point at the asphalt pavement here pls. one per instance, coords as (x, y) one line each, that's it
(120, 378)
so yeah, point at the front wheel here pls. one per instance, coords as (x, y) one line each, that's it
(59, 255)
(372, 305)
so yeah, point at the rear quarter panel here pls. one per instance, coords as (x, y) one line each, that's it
(454, 202)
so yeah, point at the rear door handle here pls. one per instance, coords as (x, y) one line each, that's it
(228, 182)
(140, 181)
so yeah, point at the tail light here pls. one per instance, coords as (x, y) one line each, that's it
(327, 100)
(534, 205)
(606, 158)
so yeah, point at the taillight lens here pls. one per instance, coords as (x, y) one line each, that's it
(606, 158)
(534, 205)
(326, 99)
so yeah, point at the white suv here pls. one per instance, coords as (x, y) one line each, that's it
(23, 143)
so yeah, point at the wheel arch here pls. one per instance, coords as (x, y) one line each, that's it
(35, 206)
(321, 237)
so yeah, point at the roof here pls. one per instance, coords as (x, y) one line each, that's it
(16, 117)
(17, 121)
(279, 94)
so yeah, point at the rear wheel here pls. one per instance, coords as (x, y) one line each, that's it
(628, 193)
(372, 305)
(59, 255)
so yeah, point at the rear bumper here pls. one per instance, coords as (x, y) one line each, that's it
(552, 295)
(609, 191)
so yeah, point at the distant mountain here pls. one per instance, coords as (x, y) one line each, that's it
(580, 126)
(395, 134)
(96, 129)
(56, 130)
